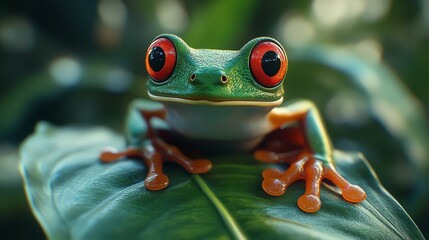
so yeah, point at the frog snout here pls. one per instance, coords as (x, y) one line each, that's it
(208, 78)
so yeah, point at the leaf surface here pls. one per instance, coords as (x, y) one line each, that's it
(75, 196)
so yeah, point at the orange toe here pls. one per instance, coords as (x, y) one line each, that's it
(274, 186)
(156, 182)
(200, 166)
(108, 156)
(271, 173)
(265, 156)
(353, 194)
(309, 203)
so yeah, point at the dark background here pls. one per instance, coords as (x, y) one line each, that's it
(81, 62)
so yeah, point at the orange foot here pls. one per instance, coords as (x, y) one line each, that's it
(313, 171)
(154, 153)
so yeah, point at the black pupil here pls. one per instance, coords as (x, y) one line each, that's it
(157, 59)
(270, 63)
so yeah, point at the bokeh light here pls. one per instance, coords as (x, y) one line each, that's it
(66, 71)
(171, 15)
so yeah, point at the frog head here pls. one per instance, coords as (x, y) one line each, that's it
(251, 76)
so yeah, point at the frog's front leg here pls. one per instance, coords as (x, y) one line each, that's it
(145, 144)
(312, 163)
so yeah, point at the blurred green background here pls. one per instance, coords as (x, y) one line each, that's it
(81, 62)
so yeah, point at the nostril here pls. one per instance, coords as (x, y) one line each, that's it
(223, 79)
(193, 77)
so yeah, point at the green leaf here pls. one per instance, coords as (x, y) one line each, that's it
(75, 196)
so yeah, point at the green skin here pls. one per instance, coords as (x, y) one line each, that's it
(209, 65)
(208, 109)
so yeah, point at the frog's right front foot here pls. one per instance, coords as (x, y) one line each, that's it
(154, 153)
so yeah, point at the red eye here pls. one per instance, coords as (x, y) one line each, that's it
(268, 64)
(161, 59)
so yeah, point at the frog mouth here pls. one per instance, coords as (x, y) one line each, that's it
(216, 103)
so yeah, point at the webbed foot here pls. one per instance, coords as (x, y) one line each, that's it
(154, 153)
(310, 169)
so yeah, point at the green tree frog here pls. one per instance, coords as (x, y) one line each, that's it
(234, 99)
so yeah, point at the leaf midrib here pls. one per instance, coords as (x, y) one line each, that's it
(222, 210)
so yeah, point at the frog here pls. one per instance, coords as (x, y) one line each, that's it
(235, 99)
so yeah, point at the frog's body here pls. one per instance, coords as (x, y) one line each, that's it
(218, 122)
(230, 97)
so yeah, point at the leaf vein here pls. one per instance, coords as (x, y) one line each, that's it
(223, 211)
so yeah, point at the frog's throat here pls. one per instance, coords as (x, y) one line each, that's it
(216, 103)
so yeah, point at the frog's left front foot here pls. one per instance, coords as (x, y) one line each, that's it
(310, 169)
(154, 153)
